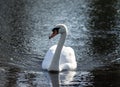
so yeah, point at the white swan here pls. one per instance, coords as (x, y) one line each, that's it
(59, 57)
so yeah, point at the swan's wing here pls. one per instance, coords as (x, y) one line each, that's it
(67, 55)
(48, 57)
(67, 58)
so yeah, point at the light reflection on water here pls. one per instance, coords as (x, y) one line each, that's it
(93, 34)
(16, 78)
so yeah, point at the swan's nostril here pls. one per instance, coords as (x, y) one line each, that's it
(50, 37)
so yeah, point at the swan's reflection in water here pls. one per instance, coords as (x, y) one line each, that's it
(54, 79)
(61, 78)
(71, 78)
(67, 77)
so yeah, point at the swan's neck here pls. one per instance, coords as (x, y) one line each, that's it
(55, 62)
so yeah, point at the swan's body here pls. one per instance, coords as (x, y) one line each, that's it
(59, 57)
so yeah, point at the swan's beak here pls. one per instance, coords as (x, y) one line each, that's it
(53, 34)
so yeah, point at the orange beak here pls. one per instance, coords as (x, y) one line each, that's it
(53, 34)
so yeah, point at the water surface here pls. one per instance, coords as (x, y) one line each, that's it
(94, 34)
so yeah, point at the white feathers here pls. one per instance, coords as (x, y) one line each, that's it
(59, 57)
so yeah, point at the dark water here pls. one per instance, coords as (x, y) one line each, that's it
(94, 34)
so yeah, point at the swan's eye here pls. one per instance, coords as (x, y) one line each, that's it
(56, 29)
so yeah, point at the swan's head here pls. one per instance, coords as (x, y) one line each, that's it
(59, 29)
